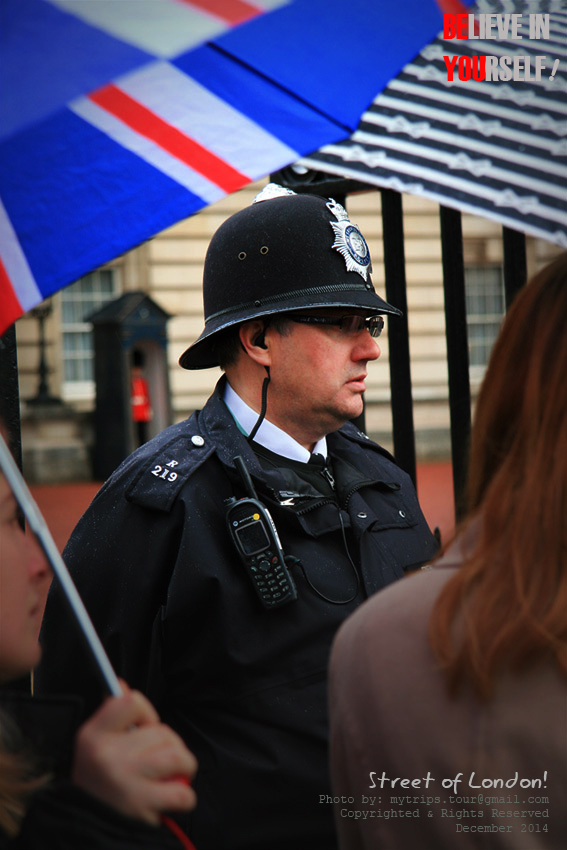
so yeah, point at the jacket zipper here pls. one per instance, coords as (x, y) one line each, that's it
(317, 504)
(328, 501)
(328, 476)
(356, 487)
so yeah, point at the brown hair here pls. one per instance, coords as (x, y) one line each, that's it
(505, 607)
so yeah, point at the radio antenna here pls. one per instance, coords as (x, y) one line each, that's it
(245, 476)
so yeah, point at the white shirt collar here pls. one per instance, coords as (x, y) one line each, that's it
(268, 434)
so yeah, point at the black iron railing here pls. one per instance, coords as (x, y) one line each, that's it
(514, 251)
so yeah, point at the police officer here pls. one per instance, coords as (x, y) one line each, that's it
(194, 599)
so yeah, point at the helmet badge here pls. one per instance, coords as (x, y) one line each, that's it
(349, 241)
(272, 190)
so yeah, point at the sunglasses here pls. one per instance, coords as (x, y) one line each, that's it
(349, 325)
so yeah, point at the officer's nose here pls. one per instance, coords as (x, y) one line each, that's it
(366, 347)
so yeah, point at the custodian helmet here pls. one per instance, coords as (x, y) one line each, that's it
(285, 252)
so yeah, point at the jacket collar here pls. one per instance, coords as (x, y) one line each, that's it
(216, 420)
(268, 435)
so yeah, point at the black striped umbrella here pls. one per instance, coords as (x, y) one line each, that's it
(495, 148)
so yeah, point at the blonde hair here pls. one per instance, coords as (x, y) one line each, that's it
(19, 776)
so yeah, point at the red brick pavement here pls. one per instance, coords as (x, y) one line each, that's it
(63, 504)
(435, 493)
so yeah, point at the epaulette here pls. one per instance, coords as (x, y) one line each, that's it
(163, 473)
(356, 435)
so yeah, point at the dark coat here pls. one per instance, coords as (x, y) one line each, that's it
(60, 816)
(63, 817)
(244, 686)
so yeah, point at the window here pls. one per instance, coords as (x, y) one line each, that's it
(485, 310)
(79, 301)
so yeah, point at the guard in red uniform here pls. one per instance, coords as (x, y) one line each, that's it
(140, 399)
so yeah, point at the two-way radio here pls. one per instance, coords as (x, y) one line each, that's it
(256, 540)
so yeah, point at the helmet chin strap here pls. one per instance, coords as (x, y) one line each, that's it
(262, 415)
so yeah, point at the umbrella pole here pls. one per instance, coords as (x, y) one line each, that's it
(9, 391)
(39, 527)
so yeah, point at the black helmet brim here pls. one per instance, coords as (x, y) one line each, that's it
(286, 253)
(201, 354)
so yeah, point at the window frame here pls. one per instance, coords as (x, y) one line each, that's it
(83, 390)
(488, 320)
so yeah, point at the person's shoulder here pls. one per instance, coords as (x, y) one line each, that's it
(380, 649)
(361, 449)
(354, 436)
(154, 475)
(402, 607)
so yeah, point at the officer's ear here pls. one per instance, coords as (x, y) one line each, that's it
(253, 341)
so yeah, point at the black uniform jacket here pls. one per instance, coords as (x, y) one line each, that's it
(180, 619)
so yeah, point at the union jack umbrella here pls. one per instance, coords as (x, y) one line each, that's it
(120, 117)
